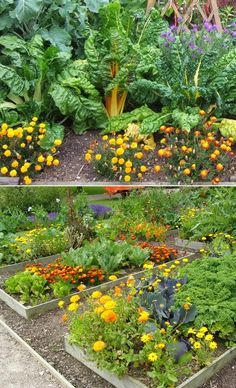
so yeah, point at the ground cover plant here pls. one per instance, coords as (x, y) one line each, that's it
(159, 339)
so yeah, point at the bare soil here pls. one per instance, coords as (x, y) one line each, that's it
(73, 167)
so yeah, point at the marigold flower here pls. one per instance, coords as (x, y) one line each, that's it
(157, 168)
(114, 160)
(98, 157)
(161, 345)
(200, 334)
(121, 161)
(197, 345)
(110, 305)
(57, 142)
(64, 317)
(73, 307)
(105, 137)
(74, 298)
(81, 287)
(127, 178)
(153, 357)
(61, 303)
(146, 337)
(144, 316)
(13, 173)
(96, 295)
(109, 316)
(7, 153)
(209, 337)
(99, 310)
(4, 170)
(120, 151)
(104, 299)
(213, 345)
(113, 277)
(98, 346)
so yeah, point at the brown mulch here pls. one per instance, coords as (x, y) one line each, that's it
(74, 168)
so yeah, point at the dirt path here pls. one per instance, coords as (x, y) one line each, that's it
(19, 369)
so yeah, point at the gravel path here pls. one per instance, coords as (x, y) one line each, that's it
(19, 369)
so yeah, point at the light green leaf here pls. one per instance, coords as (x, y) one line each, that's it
(26, 9)
(55, 131)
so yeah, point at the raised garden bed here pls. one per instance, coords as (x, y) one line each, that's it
(195, 381)
(32, 311)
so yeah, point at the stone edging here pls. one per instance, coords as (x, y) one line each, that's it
(42, 361)
(195, 245)
(32, 311)
(196, 381)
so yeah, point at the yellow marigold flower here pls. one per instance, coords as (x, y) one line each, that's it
(4, 170)
(28, 251)
(128, 164)
(49, 158)
(203, 329)
(127, 178)
(87, 157)
(112, 141)
(146, 147)
(104, 299)
(98, 157)
(110, 305)
(41, 137)
(120, 151)
(185, 260)
(178, 285)
(176, 262)
(73, 307)
(153, 357)
(148, 265)
(209, 337)
(197, 345)
(74, 298)
(30, 129)
(161, 345)
(13, 173)
(28, 138)
(99, 310)
(146, 337)
(23, 145)
(42, 130)
(105, 137)
(32, 123)
(128, 170)
(162, 331)
(5, 146)
(157, 168)
(34, 118)
(7, 153)
(213, 345)
(191, 340)
(96, 295)
(143, 168)
(42, 125)
(27, 180)
(56, 162)
(10, 133)
(114, 160)
(23, 169)
(121, 161)
(61, 303)
(15, 164)
(53, 150)
(4, 126)
(191, 331)
(134, 145)
(200, 334)
(98, 346)
(139, 155)
(57, 142)
(144, 316)
(119, 141)
(113, 277)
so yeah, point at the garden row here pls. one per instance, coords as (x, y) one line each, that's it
(112, 67)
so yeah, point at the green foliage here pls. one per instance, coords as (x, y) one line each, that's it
(218, 215)
(212, 288)
(32, 289)
(61, 288)
(27, 69)
(108, 255)
(228, 128)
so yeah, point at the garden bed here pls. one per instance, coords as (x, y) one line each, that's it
(73, 167)
(32, 311)
(195, 381)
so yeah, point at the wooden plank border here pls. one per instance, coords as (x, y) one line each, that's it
(29, 312)
(195, 381)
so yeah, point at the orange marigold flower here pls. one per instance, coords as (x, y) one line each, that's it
(109, 316)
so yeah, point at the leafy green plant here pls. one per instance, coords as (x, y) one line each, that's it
(211, 286)
(108, 255)
(61, 288)
(27, 69)
(31, 288)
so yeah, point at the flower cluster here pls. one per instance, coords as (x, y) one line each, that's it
(22, 154)
(199, 155)
(201, 338)
(76, 276)
(160, 253)
(119, 157)
(143, 230)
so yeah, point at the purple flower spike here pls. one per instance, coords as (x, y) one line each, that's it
(192, 46)
(195, 28)
(100, 210)
(233, 34)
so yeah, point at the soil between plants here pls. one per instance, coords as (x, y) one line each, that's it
(45, 334)
(74, 168)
